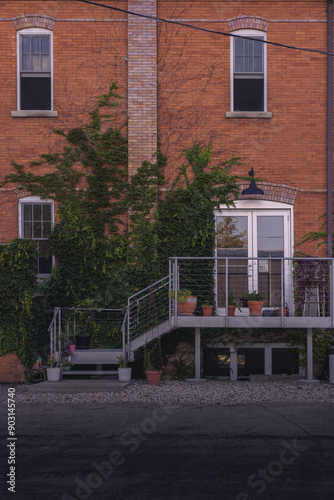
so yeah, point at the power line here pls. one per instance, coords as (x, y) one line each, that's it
(198, 28)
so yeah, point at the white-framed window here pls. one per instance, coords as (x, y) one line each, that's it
(36, 218)
(34, 70)
(248, 71)
(255, 236)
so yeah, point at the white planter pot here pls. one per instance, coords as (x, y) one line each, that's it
(124, 374)
(53, 374)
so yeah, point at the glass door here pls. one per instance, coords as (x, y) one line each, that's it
(254, 243)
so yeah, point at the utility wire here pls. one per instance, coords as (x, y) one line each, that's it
(179, 23)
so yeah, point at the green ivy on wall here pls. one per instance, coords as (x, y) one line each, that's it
(17, 286)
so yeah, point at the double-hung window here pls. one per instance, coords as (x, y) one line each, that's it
(34, 69)
(35, 222)
(248, 72)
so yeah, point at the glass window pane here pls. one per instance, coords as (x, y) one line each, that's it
(46, 229)
(35, 93)
(36, 63)
(249, 47)
(270, 239)
(45, 63)
(27, 212)
(232, 236)
(35, 45)
(239, 46)
(26, 62)
(258, 47)
(37, 212)
(27, 228)
(46, 212)
(249, 68)
(45, 45)
(248, 94)
(25, 45)
(258, 65)
(238, 66)
(37, 230)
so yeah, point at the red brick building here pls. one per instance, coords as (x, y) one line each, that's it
(263, 102)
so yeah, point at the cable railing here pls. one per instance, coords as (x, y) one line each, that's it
(301, 286)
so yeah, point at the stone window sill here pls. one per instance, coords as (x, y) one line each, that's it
(34, 113)
(248, 114)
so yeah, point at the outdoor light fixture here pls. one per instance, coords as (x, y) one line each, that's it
(253, 189)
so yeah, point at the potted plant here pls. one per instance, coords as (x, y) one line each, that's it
(66, 365)
(232, 302)
(124, 371)
(255, 302)
(53, 371)
(152, 362)
(279, 309)
(186, 302)
(207, 308)
(82, 314)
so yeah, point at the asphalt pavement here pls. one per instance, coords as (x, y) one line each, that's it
(168, 452)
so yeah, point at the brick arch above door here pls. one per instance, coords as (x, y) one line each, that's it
(272, 192)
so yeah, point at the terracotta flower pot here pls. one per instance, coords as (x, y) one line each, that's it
(231, 310)
(207, 310)
(279, 312)
(153, 377)
(187, 308)
(255, 307)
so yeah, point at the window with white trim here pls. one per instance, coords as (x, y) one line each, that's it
(35, 67)
(248, 71)
(36, 222)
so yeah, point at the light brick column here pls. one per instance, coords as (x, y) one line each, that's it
(142, 83)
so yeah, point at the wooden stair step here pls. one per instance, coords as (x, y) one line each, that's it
(89, 372)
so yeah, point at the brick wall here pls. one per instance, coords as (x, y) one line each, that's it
(176, 82)
(11, 369)
(142, 83)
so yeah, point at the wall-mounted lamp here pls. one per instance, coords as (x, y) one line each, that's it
(252, 189)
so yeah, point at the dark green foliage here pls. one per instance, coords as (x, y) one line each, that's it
(17, 286)
(100, 258)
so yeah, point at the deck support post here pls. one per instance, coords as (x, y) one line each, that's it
(310, 378)
(233, 364)
(197, 353)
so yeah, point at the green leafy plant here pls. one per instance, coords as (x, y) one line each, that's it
(253, 296)
(182, 295)
(121, 362)
(52, 361)
(66, 363)
(232, 300)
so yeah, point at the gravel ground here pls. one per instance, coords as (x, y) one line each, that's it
(209, 393)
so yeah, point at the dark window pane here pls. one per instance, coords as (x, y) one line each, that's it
(35, 93)
(27, 212)
(45, 44)
(46, 229)
(46, 212)
(248, 95)
(27, 227)
(44, 265)
(37, 230)
(37, 212)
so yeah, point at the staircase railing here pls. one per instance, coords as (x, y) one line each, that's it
(54, 331)
(146, 309)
